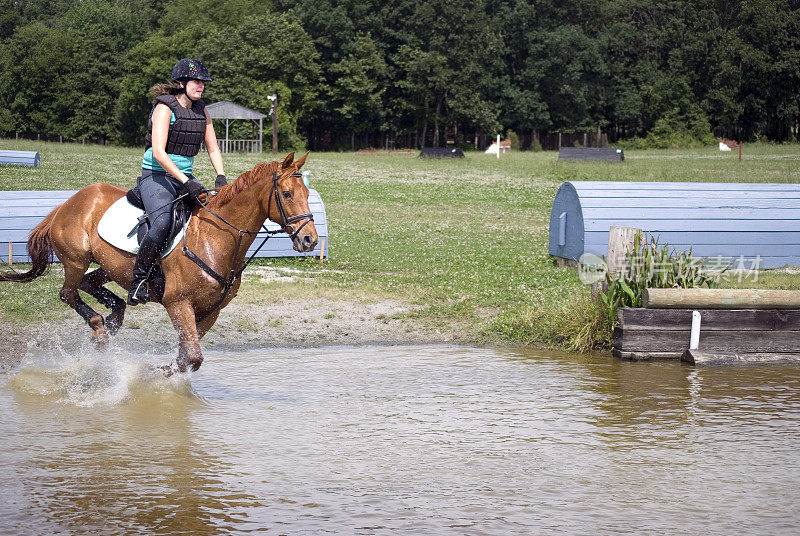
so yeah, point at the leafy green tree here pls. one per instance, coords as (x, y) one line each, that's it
(254, 61)
(445, 76)
(359, 83)
(35, 61)
(101, 31)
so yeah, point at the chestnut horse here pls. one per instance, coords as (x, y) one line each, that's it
(218, 235)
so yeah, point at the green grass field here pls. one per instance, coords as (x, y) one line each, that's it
(464, 240)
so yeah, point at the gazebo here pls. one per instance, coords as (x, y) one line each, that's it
(230, 111)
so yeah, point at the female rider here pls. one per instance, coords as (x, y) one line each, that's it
(178, 124)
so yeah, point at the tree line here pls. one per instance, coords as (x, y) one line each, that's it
(403, 73)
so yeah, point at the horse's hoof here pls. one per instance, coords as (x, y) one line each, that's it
(100, 339)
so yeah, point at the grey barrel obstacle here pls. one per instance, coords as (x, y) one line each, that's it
(21, 211)
(19, 158)
(758, 223)
(604, 154)
(441, 152)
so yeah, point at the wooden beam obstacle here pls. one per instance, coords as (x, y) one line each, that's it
(736, 326)
(720, 298)
(589, 154)
(441, 152)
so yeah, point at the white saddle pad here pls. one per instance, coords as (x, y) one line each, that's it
(119, 220)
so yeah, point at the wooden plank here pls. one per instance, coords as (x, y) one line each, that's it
(645, 356)
(696, 213)
(21, 222)
(682, 187)
(725, 250)
(21, 211)
(620, 243)
(710, 238)
(604, 154)
(441, 152)
(601, 197)
(657, 225)
(698, 357)
(719, 298)
(633, 318)
(19, 158)
(776, 201)
(31, 203)
(641, 340)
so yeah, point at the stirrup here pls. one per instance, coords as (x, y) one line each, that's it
(138, 294)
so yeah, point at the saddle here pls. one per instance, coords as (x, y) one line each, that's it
(181, 211)
(125, 224)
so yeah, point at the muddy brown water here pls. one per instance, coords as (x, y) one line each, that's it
(397, 440)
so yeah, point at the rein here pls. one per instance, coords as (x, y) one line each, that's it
(234, 275)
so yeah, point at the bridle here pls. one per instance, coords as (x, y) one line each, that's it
(234, 274)
(285, 222)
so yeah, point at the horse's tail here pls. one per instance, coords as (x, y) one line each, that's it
(40, 250)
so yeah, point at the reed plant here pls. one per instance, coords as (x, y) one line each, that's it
(652, 265)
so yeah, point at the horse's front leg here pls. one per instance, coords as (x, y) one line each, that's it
(205, 324)
(189, 353)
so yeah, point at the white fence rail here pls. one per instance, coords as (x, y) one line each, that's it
(239, 146)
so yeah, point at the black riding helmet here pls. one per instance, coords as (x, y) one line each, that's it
(190, 69)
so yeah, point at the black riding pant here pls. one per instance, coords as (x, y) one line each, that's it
(158, 190)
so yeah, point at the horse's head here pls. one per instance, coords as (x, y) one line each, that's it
(287, 204)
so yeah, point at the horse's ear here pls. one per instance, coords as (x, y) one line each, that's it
(287, 161)
(302, 160)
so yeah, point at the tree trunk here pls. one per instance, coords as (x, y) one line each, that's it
(439, 100)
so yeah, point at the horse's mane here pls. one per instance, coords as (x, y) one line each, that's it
(244, 181)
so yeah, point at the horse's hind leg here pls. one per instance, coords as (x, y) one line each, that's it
(92, 283)
(73, 275)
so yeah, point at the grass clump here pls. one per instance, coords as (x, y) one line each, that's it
(575, 323)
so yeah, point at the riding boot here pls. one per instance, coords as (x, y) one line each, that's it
(147, 257)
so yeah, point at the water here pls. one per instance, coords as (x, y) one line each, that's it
(397, 440)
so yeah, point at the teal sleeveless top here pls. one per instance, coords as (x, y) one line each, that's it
(184, 163)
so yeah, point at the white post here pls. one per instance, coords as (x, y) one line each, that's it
(694, 339)
(498, 146)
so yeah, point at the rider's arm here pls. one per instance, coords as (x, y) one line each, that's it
(161, 117)
(213, 149)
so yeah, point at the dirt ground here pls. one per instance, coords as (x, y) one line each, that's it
(240, 326)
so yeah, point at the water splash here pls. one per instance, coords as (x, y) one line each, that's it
(85, 376)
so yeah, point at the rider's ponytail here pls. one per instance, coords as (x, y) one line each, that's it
(173, 88)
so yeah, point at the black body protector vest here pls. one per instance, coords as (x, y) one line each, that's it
(187, 132)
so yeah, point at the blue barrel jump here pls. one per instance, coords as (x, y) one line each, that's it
(758, 223)
(21, 211)
(19, 158)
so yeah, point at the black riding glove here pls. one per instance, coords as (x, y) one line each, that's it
(194, 189)
(221, 181)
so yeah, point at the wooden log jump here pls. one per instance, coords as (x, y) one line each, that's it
(736, 326)
(718, 298)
